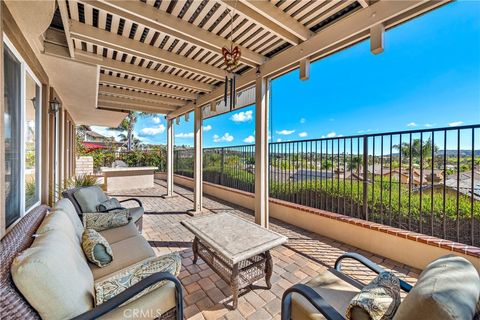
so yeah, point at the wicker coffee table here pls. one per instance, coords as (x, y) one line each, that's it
(236, 249)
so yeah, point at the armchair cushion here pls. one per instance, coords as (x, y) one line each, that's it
(333, 286)
(96, 248)
(66, 206)
(448, 288)
(112, 286)
(379, 299)
(89, 198)
(109, 204)
(136, 213)
(99, 221)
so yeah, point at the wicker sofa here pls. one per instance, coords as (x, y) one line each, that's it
(56, 273)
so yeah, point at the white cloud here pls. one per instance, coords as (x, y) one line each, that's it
(429, 125)
(279, 140)
(455, 123)
(249, 139)
(242, 116)
(207, 128)
(227, 137)
(152, 131)
(303, 134)
(412, 124)
(331, 134)
(285, 132)
(184, 135)
(303, 120)
(156, 120)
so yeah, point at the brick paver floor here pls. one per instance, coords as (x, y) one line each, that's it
(207, 296)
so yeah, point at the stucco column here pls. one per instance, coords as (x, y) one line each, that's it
(261, 151)
(198, 166)
(170, 155)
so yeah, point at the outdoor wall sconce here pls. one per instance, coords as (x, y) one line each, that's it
(54, 106)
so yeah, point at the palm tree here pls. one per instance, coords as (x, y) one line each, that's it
(355, 164)
(418, 148)
(128, 124)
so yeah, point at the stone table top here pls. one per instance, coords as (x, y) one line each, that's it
(122, 169)
(235, 239)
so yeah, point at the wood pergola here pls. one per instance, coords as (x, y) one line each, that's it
(165, 56)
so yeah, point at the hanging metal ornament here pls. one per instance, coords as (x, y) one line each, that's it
(231, 58)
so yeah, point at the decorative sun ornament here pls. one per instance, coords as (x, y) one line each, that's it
(231, 57)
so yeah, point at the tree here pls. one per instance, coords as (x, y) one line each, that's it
(355, 164)
(418, 148)
(128, 124)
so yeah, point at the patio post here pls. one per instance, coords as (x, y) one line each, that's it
(261, 151)
(198, 166)
(169, 159)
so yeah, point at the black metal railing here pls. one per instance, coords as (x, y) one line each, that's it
(183, 163)
(427, 181)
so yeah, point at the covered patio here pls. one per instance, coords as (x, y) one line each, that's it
(206, 295)
(68, 63)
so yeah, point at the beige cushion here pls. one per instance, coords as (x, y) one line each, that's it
(66, 206)
(448, 288)
(126, 252)
(136, 213)
(149, 306)
(55, 280)
(113, 285)
(89, 198)
(121, 233)
(331, 286)
(59, 221)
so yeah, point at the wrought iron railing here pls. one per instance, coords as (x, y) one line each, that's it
(427, 181)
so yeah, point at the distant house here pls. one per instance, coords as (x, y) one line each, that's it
(464, 184)
(93, 140)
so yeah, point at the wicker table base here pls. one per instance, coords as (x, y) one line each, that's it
(238, 275)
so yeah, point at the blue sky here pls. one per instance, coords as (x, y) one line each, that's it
(428, 76)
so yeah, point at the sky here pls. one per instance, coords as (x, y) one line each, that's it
(427, 77)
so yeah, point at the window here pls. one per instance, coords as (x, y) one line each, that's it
(22, 119)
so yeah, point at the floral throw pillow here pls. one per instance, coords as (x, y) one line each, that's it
(112, 286)
(100, 221)
(96, 248)
(379, 299)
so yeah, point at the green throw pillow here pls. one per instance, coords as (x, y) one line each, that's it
(100, 221)
(109, 204)
(96, 248)
(110, 287)
(379, 299)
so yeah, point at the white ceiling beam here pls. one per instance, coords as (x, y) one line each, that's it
(168, 24)
(305, 69)
(390, 13)
(108, 105)
(138, 71)
(364, 3)
(62, 7)
(261, 20)
(84, 32)
(150, 87)
(140, 96)
(377, 38)
(279, 17)
(132, 102)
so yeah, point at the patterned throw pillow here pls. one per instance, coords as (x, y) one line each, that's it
(109, 204)
(379, 299)
(109, 288)
(106, 220)
(96, 248)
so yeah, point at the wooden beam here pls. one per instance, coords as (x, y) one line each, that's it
(305, 69)
(104, 90)
(150, 87)
(168, 24)
(261, 20)
(364, 3)
(142, 72)
(327, 41)
(279, 17)
(127, 101)
(107, 104)
(99, 37)
(376, 38)
(62, 7)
